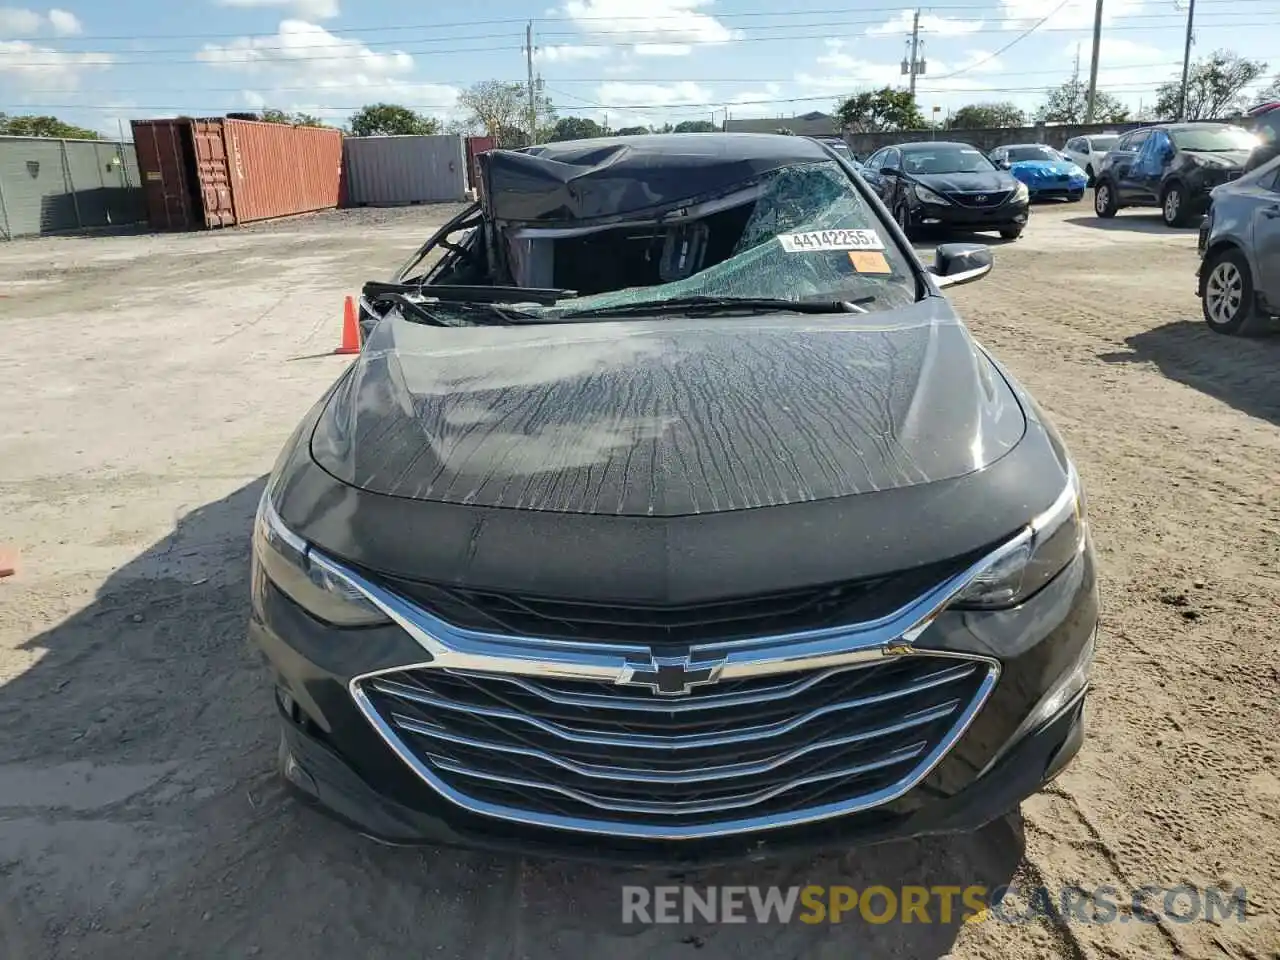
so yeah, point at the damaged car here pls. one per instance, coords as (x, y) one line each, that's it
(670, 515)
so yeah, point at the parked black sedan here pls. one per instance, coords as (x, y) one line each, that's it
(673, 515)
(939, 184)
(1172, 166)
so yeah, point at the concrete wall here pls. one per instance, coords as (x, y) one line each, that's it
(865, 144)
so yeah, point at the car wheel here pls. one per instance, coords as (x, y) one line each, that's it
(1175, 205)
(1011, 232)
(1228, 294)
(1088, 171)
(1104, 200)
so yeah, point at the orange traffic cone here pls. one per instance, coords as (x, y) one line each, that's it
(8, 561)
(350, 329)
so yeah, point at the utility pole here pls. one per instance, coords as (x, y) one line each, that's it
(533, 113)
(1186, 61)
(1093, 63)
(915, 51)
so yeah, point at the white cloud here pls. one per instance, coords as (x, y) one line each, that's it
(662, 49)
(1077, 14)
(18, 21)
(623, 94)
(15, 22)
(304, 67)
(929, 24)
(45, 68)
(311, 9)
(650, 27)
(64, 24)
(568, 52)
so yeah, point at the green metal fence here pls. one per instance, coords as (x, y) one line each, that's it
(52, 186)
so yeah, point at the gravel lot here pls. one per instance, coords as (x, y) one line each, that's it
(149, 383)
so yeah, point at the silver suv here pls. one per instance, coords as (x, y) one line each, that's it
(1239, 274)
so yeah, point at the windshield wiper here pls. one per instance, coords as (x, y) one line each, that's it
(465, 293)
(454, 313)
(706, 305)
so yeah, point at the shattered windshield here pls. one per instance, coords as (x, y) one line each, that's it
(806, 235)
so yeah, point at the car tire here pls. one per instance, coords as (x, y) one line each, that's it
(1175, 205)
(1227, 299)
(1088, 172)
(902, 214)
(1104, 199)
(1012, 232)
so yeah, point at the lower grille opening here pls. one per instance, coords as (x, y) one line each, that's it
(598, 757)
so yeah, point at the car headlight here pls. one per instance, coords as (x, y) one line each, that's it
(1043, 550)
(925, 195)
(302, 575)
(1020, 192)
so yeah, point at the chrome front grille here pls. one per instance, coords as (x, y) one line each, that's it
(742, 754)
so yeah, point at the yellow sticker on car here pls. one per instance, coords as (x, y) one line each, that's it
(869, 261)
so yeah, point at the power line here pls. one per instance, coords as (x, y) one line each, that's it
(214, 110)
(606, 79)
(1018, 39)
(108, 59)
(519, 22)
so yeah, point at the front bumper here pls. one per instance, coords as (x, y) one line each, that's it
(1058, 190)
(331, 754)
(972, 218)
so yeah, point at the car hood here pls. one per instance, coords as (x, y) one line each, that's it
(1226, 159)
(986, 180)
(1043, 168)
(667, 417)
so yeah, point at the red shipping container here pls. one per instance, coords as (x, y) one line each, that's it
(476, 146)
(278, 170)
(185, 176)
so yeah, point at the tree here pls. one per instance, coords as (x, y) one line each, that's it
(695, 126)
(390, 119)
(1069, 103)
(632, 131)
(271, 115)
(576, 128)
(877, 111)
(1215, 87)
(980, 116)
(44, 127)
(500, 110)
(1271, 93)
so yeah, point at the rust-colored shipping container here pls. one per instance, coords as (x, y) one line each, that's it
(475, 147)
(185, 176)
(216, 173)
(279, 171)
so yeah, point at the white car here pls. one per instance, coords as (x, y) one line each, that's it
(1087, 153)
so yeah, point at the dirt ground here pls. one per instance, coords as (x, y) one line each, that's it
(149, 382)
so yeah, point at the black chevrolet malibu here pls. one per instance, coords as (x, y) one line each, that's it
(673, 516)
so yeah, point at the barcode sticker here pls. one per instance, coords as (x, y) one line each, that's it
(819, 240)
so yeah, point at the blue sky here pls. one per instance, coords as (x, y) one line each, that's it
(634, 61)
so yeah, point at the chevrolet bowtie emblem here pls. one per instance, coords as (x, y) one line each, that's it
(671, 676)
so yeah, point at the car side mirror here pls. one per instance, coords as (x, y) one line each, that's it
(1003, 164)
(890, 171)
(957, 263)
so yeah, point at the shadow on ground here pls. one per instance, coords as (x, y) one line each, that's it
(141, 816)
(1139, 221)
(1240, 371)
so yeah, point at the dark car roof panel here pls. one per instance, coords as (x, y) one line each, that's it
(610, 177)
